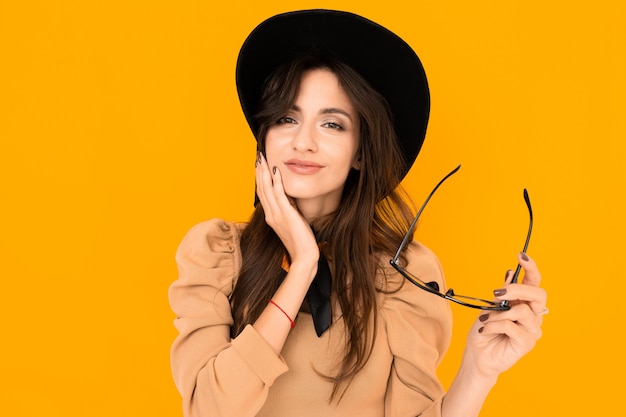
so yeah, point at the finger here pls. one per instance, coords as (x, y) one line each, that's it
(264, 187)
(520, 313)
(531, 272)
(528, 319)
(279, 208)
(283, 204)
(520, 337)
(508, 276)
(260, 182)
(535, 297)
(278, 187)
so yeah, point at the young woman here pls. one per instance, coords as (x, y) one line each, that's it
(298, 312)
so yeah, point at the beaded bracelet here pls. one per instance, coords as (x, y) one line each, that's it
(286, 315)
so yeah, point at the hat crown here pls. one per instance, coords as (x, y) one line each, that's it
(381, 57)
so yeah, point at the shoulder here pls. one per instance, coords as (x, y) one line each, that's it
(421, 262)
(210, 243)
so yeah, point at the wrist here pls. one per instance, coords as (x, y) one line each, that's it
(469, 372)
(468, 391)
(305, 268)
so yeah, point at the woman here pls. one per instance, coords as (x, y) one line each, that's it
(298, 312)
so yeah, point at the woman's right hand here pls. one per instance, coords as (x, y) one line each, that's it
(297, 236)
(282, 215)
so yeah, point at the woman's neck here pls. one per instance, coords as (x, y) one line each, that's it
(313, 209)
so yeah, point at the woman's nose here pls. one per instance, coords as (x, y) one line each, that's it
(304, 139)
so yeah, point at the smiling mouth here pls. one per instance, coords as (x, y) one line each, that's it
(303, 167)
(304, 164)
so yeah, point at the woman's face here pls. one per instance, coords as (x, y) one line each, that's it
(314, 145)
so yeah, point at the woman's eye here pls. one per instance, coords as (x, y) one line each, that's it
(285, 120)
(333, 125)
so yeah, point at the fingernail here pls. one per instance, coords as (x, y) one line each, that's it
(481, 330)
(484, 317)
(506, 274)
(499, 292)
(523, 256)
(274, 170)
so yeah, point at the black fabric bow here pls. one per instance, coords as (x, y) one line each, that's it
(319, 296)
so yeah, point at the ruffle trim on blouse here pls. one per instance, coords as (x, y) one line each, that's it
(210, 252)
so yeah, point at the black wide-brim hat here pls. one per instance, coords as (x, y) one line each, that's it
(381, 57)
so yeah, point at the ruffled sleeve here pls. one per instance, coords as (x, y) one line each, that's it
(215, 375)
(419, 327)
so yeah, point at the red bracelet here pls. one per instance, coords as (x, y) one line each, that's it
(286, 315)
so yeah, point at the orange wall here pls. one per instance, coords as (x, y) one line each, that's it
(120, 128)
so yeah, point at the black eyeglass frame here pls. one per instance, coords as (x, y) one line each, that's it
(433, 287)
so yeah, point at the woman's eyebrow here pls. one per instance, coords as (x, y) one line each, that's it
(332, 110)
(327, 110)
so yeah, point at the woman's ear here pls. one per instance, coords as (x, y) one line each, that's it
(357, 164)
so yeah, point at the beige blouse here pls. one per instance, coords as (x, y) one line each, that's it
(219, 377)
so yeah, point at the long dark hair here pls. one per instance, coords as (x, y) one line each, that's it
(371, 219)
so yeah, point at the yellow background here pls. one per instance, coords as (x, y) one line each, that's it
(120, 129)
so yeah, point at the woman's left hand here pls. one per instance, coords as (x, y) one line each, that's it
(498, 339)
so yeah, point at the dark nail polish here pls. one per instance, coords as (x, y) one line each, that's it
(523, 256)
(499, 292)
(484, 317)
(274, 170)
(506, 274)
(481, 330)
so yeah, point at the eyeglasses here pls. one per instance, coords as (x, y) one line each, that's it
(433, 287)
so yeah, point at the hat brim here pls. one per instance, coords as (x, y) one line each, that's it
(381, 57)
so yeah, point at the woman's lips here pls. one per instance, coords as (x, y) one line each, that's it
(299, 166)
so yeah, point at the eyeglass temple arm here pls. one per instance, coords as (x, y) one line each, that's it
(506, 303)
(530, 229)
(419, 213)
